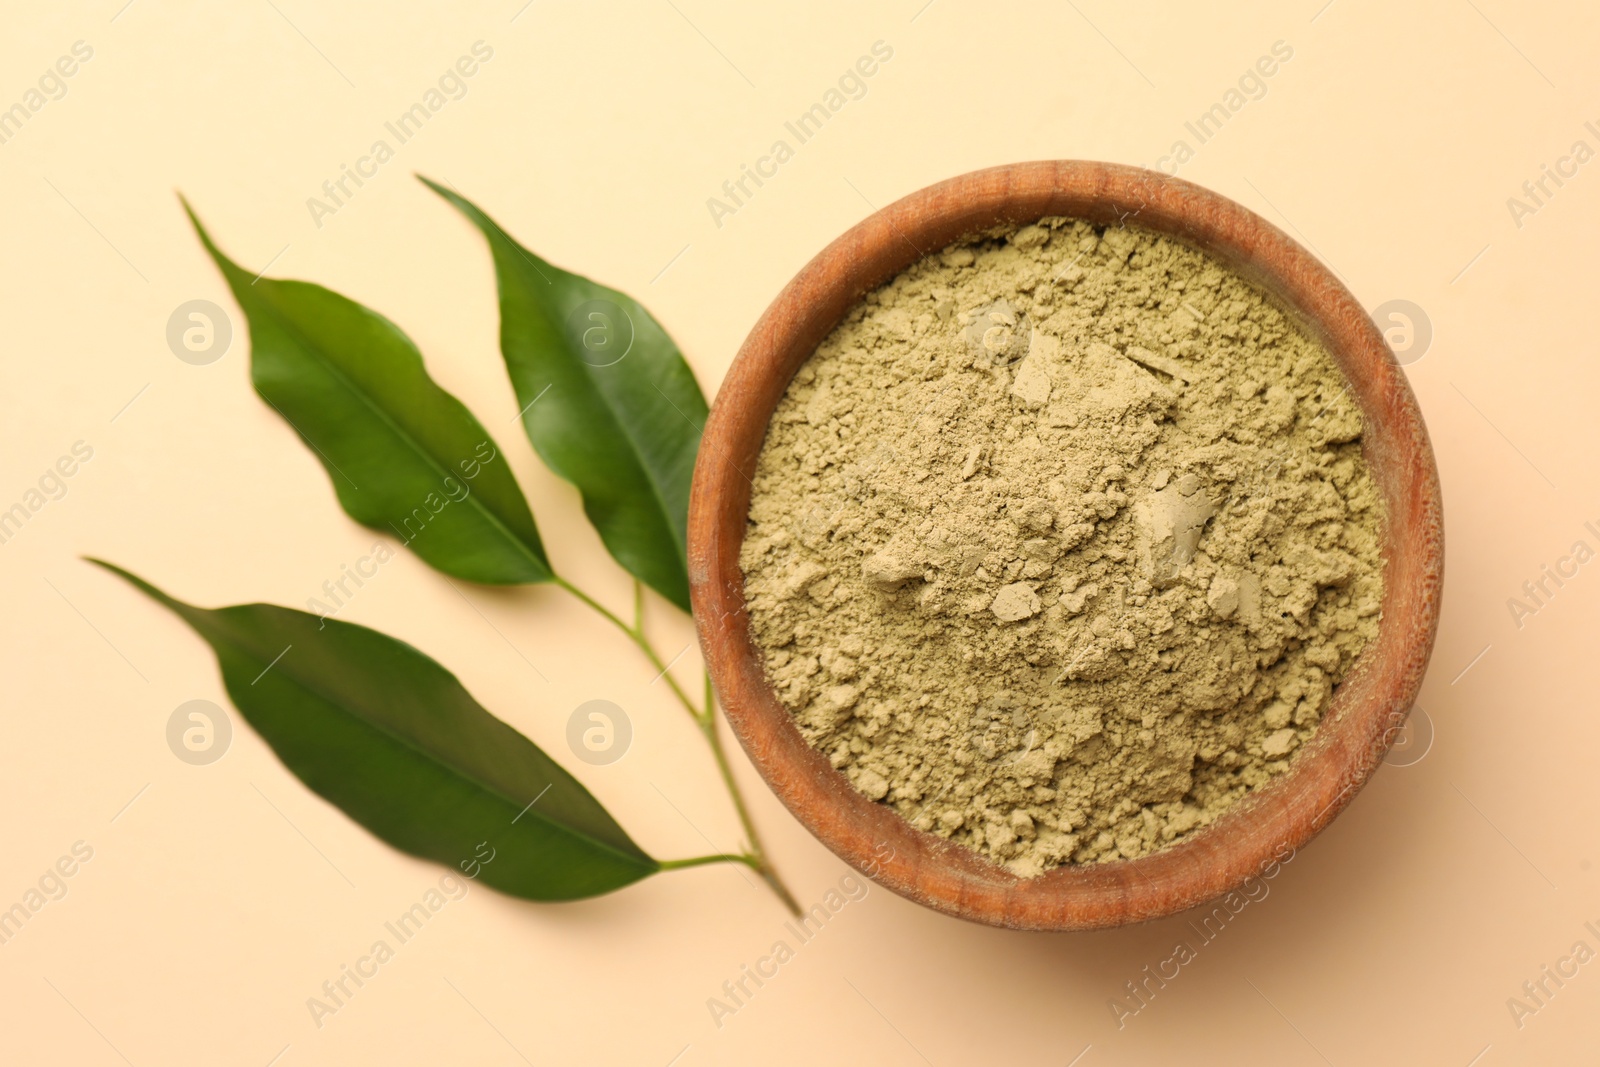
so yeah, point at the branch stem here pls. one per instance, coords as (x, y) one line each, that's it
(706, 719)
(708, 726)
(636, 635)
(720, 857)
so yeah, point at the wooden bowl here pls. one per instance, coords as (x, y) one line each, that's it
(1369, 706)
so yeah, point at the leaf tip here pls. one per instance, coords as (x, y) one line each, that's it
(98, 562)
(133, 580)
(455, 199)
(229, 267)
(194, 220)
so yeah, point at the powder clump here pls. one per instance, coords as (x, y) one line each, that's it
(1060, 542)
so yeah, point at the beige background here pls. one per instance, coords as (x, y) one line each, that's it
(222, 896)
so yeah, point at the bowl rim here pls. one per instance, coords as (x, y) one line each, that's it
(1255, 837)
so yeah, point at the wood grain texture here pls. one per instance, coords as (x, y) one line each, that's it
(1368, 708)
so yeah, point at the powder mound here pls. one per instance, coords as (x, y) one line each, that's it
(1060, 542)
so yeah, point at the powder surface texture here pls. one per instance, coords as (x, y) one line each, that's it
(1060, 542)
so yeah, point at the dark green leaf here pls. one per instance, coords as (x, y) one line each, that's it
(404, 455)
(392, 739)
(607, 400)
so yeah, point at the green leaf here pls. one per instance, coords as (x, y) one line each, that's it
(394, 741)
(403, 454)
(607, 400)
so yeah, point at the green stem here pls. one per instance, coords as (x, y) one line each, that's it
(708, 726)
(638, 638)
(706, 720)
(720, 857)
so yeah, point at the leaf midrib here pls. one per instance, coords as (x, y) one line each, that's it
(458, 772)
(405, 436)
(633, 447)
(494, 233)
